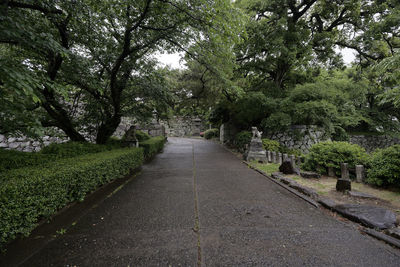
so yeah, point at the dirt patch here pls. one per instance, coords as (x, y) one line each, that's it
(325, 186)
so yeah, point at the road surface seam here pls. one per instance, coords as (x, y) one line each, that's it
(196, 227)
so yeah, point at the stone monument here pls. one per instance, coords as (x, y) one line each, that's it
(256, 150)
(344, 184)
(130, 139)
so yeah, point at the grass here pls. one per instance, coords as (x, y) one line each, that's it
(268, 168)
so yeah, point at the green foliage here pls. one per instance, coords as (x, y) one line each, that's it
(271, 145)
(331, 154)
(242, 139)
(12, 159)
(278, 121)
(152, 146)
(33, 193)
(142, 136)
(211, 133)
(385, 167)
(72, 149)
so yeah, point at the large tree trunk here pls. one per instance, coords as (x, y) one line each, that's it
(107, 128)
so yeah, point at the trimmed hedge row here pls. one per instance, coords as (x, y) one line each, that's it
(30, 194)
(152, 146)
(11, 159)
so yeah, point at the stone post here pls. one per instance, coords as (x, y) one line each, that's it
(279, 158)
(285, 157)
(331, 172)
(293, 161)
(269, 156)
(344, 184)
(345, 171)
(273, 154)
(360, 173)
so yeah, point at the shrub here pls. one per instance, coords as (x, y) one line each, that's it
(11, 159)
(152, 146)
(271, 145)
(32, 193)
(73, 149)
(211, 133)
(385, 167)
(142, 136)
(242, 139)
(331, 154)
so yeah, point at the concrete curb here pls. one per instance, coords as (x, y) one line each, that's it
(383, 237)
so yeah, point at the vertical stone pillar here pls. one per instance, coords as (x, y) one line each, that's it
(345, 171)
(344, 184)
(222, 133)
(274, 157)
(360, 173)
(269, 156)
(331, 172)
(285, 157)
(293, 161)
(279, 158)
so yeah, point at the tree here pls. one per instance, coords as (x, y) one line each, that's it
(100, 51)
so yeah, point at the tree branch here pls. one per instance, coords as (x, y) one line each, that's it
(34, 7)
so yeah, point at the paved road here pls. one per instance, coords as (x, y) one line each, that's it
(197, 204)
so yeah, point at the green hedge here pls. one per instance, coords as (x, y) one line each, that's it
(30, 194)
(142, 136)
(385, 167)
(211, 133)
(11, 159)
(331, 154)
(152, 146)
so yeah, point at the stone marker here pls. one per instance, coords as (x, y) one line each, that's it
(344, 167)
(279, 158)
(273, 155)
(331, 172)
(285, 157)
(360, 174)
(256, 151)
(269, 156)
(130, 139)
(293, 161)
(344, 184)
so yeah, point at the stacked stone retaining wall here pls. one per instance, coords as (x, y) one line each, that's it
(371, 143)
(299, 137)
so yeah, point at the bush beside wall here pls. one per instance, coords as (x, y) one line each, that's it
(385, 167)
(331, 154)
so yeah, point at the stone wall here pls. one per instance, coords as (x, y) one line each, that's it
(370, 143)
(184, 126)
(300, 137)
(27, 144)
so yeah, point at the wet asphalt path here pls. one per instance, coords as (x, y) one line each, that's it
(197, 204)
